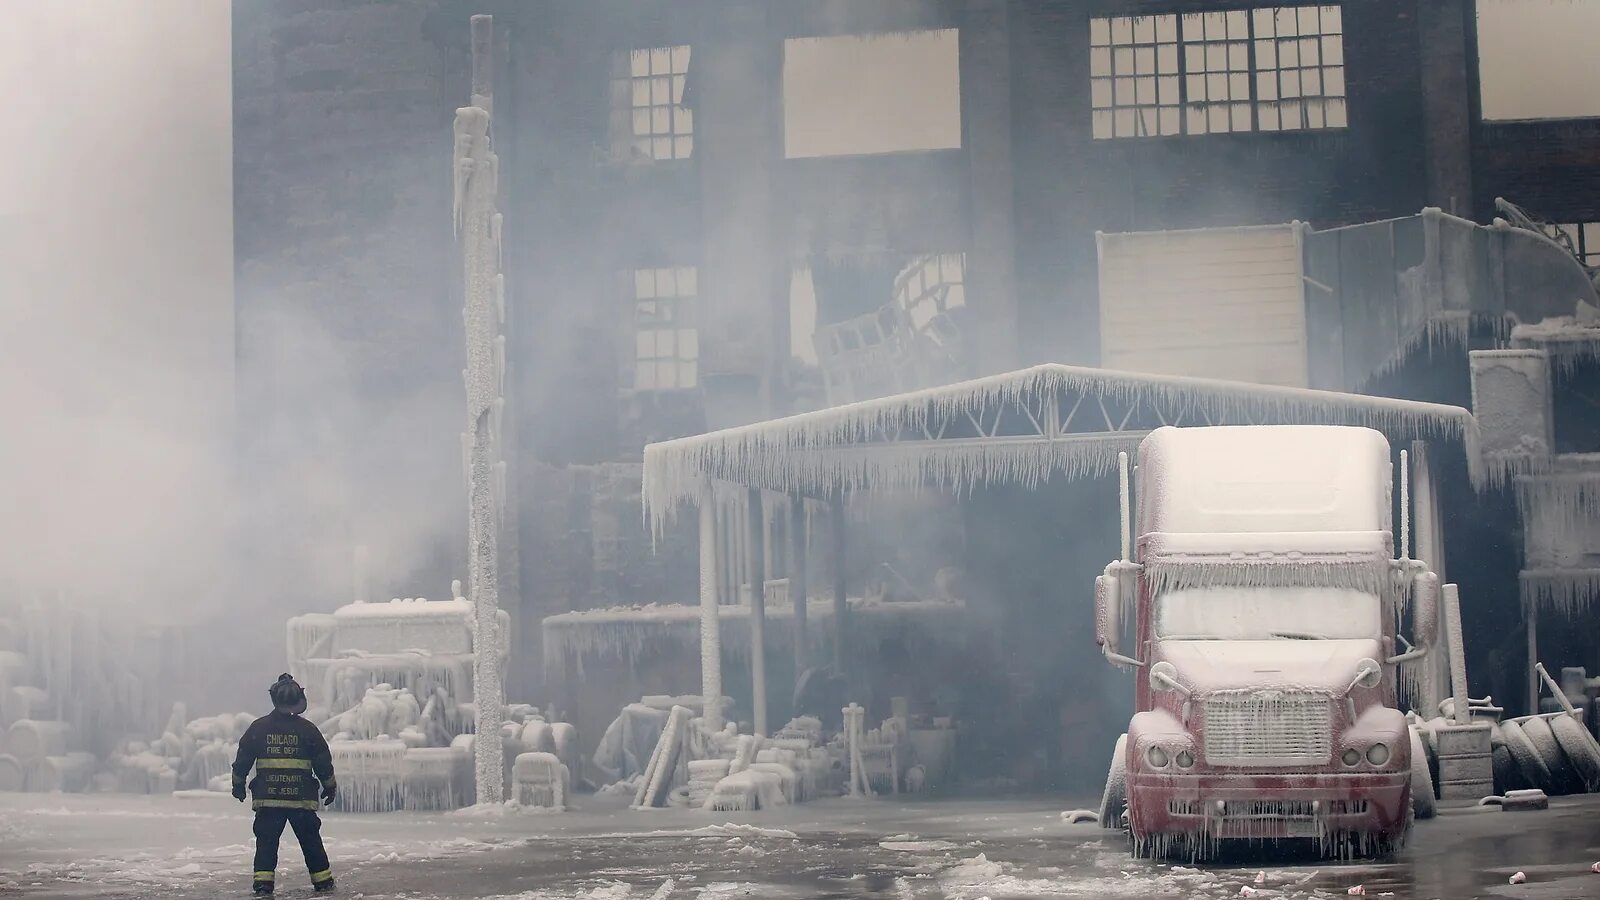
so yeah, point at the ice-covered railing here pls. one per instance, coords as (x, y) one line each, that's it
(905, 442)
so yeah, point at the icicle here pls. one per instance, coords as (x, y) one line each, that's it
(499, 289)
(1570, 591)
(852, 447)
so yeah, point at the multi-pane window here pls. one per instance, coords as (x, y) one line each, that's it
(1133, 76)
(648, 118)
(666, 344)
(1585, 238)
(1269, 69)
(1216, 59)
(1299, 67)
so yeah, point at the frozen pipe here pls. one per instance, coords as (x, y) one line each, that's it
(710, 634)
(841, 604)
(755, 571)
(1458, 659)
(1405, 506)
(483, 62)
(1122, 480)
(1555, 689)
(797, 580)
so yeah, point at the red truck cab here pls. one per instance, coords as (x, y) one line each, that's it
(1265, 600)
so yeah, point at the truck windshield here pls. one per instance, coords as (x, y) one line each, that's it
(1225, 613)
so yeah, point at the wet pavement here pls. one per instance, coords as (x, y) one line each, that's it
(922, 850)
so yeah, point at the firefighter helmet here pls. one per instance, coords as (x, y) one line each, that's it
(288, 695)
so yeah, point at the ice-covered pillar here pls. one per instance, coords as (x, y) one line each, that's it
(755, 571)
(797, 581)
(1451, 620)
(841, 604)
(476, 174)
(710, 624)
(1428, 528)
(1531, 613)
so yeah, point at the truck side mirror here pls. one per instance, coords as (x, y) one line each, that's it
(1425, 615)
(1107, 612)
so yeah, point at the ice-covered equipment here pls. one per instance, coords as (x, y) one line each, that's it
(414, 644)
(1259, 581)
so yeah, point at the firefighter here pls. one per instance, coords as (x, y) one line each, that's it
(290, 757)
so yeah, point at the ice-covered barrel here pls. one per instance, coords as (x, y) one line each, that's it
(30, 740)
(69, 773)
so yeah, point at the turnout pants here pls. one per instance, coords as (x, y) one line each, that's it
(307, 828)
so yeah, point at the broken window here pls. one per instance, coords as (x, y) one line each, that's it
(1270, 69)
(1537, 59)
(649, 120)
(666, 343)
(858, 94)
(1585, 240)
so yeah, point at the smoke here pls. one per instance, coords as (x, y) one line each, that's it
(147, 473)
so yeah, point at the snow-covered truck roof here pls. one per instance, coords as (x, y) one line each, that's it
(1264, 479)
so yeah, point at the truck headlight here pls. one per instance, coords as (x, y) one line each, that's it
(1157, 757)
(1185, 759)
(1378, 754)
(1351, 757)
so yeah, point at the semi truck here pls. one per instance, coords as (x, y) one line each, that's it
(1262, 603)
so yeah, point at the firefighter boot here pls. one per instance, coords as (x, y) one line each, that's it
(262, 887)
(323, 887)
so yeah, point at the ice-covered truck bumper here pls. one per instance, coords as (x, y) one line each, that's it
(1224, 806)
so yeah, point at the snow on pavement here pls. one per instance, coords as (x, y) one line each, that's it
(105, 847)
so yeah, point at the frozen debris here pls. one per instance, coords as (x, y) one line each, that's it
(1078, 816)
(1595, 868)
(1357, 891)
(665, 890)
(743, 831)
(1519, 877)
(918, 846)
(1261, 878)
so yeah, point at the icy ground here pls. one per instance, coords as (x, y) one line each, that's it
(73, 846)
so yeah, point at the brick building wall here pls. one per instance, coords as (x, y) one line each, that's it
(342, 143)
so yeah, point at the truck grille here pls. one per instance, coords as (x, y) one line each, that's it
(1268, 728)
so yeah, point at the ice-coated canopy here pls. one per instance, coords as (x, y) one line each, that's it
(1021, 427)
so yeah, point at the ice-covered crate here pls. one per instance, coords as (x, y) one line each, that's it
(440, 626)
(1263, 478)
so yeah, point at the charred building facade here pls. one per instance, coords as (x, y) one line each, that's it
(722, 211)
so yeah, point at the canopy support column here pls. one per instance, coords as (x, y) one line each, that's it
(1530, 612)
(797, 581)
(841, 606)
(710, 626)
(755, 571)
(1429, 531)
